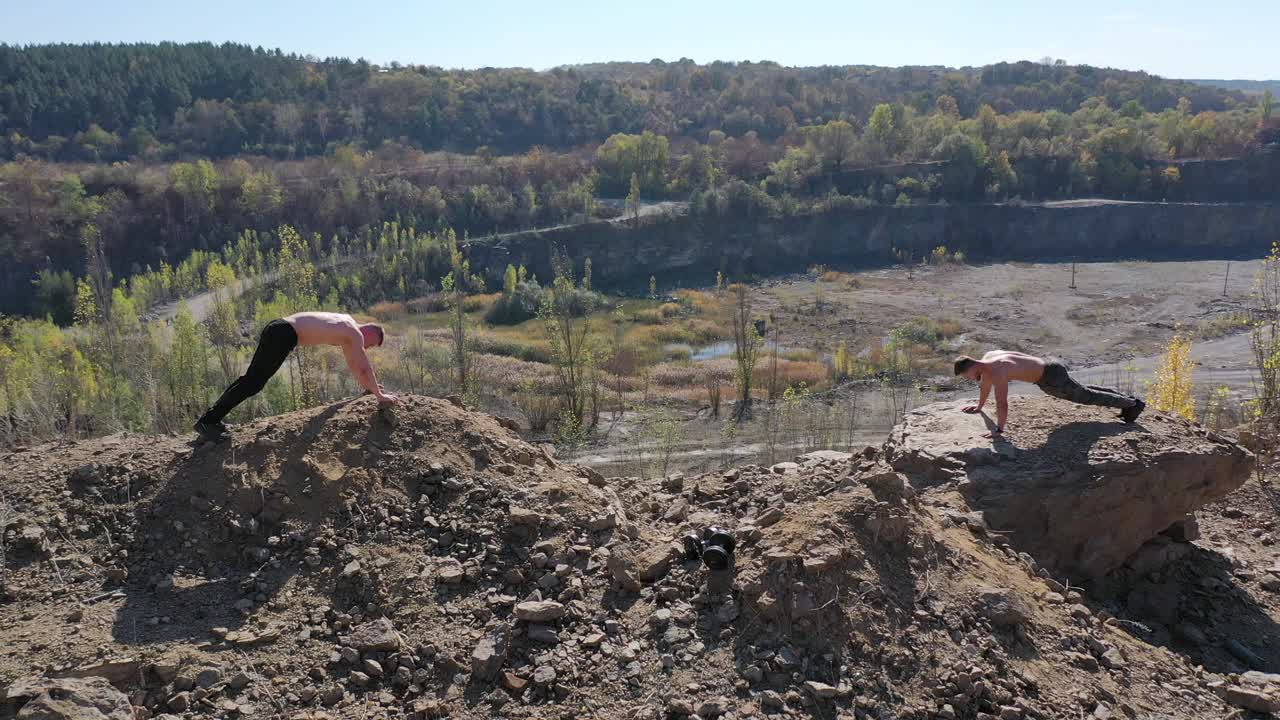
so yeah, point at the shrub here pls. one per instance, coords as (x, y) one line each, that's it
(387, 311)
(1172, 390)
(518, 306)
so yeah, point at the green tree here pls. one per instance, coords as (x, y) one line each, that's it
(187, 370)
(881, 129)
(455, 286)
(966, 160)
(746, 347)
(509, 280)
(837, 142)
(224, 327)
(574, 347)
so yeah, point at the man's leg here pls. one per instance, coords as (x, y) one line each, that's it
(274, 345)
(1058, 383)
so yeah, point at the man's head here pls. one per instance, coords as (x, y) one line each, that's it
(967, 367)
(373, 335)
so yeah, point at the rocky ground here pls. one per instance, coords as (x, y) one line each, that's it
(424, 562)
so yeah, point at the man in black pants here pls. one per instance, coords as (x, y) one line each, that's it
(278, 339)
(998, 367)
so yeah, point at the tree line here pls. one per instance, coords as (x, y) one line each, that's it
(110, 102)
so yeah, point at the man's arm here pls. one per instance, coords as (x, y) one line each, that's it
(985, 389)
(362, 369)
(1002, 401)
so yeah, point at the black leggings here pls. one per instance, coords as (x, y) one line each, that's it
(278, 339)
(1058, 383)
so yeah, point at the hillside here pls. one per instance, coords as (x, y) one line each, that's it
(424, 563)
(1252, 87)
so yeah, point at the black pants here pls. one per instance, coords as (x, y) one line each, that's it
(278, 339)
(1058, 383)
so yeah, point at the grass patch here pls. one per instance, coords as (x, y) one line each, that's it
(1221, 326)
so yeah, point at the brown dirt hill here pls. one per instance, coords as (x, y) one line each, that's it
(424, 562)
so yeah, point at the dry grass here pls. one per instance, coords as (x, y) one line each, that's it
(388, 311)
(1221, 326)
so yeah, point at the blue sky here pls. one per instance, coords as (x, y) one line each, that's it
(1174, 38)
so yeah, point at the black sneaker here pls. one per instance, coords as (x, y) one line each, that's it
(210, 430)
(1130, 414)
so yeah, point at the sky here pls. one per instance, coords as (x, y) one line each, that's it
(1228, 39)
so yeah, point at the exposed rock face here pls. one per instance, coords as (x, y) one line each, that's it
(1073, 486)
(689, 246)
(90, 698)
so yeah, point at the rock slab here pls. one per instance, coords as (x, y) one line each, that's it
(1071, 485)
(90, 698)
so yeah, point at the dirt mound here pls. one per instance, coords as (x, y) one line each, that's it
(424, 562)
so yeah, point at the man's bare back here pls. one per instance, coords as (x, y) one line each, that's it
(1015, 365)
(325, 328)
(341, 330)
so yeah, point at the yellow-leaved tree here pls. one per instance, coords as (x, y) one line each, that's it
(1172, 390)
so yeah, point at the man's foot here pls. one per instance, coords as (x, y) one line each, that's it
(1130, 414)
(210, 430)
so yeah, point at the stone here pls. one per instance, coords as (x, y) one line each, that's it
(208, 677)
(491, 652)
(87, 698)
(884, 480)
(378, 635)
(1113, 660)
(821, 690)
(606, 521)
(524, 518)
(331, 695)
(1080, 492)
(769, 517)
(1250, 698)
(372, 668)
(714, 707)
(513, 682)
(1083, 661)
(180, 702)
(784, 467)
(117, 672)
(544, 675)
(1003, 607)
(539, 611)
(771, 700)
(450, 572)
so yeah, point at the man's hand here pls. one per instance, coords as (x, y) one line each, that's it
(387, 399)
(971, 409)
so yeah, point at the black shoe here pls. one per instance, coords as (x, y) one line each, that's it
(210, 430)
(1130, 414)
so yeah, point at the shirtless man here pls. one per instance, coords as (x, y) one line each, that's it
(278, 339)
(998, 367)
